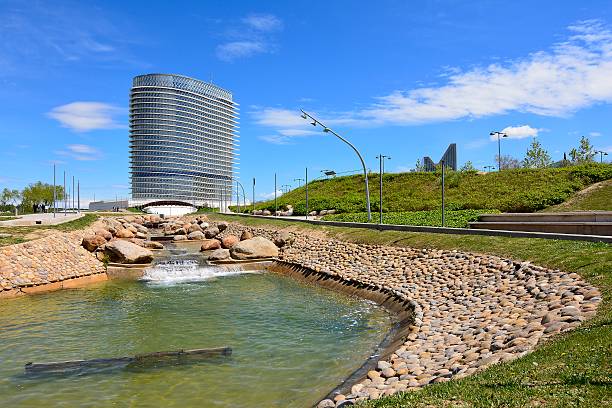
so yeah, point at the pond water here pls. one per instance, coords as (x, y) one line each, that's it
(292, 343)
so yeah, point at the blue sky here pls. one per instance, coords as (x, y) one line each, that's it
(399, 78)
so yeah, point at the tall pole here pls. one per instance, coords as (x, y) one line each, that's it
(237, 197)
(275, 205)
(54, 193)
(365, 171)
(65, 196)
(306, 192)
(73, 192)
(79, 195)
(498, 153)
(443, 166)
(380, 157)
(253, 203)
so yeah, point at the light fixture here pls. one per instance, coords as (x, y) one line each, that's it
(314, 123)
(304, 116)
(326, 130)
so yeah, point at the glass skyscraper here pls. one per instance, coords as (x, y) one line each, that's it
(183, 141)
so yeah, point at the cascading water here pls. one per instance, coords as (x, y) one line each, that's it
(187, 270)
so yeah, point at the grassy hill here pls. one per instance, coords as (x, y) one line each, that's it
(519, 190)
(595, 197)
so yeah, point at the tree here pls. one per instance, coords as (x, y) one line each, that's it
(468, 166)
(536, 157)
(418, 166)
(41, 193)
(584, 153)
(508, 162)
(10, 198)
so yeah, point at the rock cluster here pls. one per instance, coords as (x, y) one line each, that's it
(101, 237)
(471, 311)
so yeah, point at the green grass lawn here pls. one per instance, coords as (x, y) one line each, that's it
(433, 218)
(519, 190)
(572, 370)
(596, 197)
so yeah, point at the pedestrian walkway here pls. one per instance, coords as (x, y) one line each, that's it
(45, 219)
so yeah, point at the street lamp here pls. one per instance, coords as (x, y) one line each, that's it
(381, 159)
(489, 168)
(299, 180)
(601, 155)
(499, 136)
(365, 172)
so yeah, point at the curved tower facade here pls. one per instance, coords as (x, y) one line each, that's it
(183, 140)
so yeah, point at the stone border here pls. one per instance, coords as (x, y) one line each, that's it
(439, 230)
(471, 311)
(70, 283)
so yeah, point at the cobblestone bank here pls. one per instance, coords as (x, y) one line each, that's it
(471, 311)
(45, 261)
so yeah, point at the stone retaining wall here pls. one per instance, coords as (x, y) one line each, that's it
(54, 262)
(471, 311)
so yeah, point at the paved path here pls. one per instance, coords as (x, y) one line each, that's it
(46, 219)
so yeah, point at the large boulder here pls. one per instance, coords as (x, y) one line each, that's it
(141, 235)
(180, 231)
(179, 238)
(126, 252)
(196, 235)
(219, 255)
(222, 226)
(266, 212)
(124, 233)
(258, 247)
(92, 242)
(229, 241)
(211, 232)
(209, 244)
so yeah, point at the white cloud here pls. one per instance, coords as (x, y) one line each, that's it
(275, 117)
(267, 196)
(573, 74)
(240, 49)
(595, 134)
(518, 132)
(86, 116)
(287, 124)
(254, 35)
(263, 22)
(80, 152)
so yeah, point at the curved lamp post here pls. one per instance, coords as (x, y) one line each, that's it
(601, 155)
(499, 136)
(315, 122)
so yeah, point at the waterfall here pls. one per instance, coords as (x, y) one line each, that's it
(177, 269)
